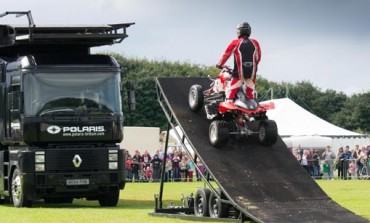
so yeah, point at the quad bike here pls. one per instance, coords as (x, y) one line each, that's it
(238, 120)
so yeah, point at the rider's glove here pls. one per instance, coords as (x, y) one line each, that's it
(219, 66)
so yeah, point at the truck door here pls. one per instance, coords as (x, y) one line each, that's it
(14, 108)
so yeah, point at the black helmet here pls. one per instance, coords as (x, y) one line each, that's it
(243, 29)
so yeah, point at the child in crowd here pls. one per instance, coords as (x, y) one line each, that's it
(325, 170)
(352, 169)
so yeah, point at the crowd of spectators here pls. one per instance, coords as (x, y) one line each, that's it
(347, 163)
(146, 167)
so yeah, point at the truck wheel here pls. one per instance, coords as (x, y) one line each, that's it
(196, 97)
(267, 132)
(218, 133)
(201, 202)
(217, 209)
(109, 200)
(18, 197)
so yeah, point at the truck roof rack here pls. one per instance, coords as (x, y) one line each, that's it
(85, 36)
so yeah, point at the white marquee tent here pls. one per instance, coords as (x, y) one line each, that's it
(299, 125)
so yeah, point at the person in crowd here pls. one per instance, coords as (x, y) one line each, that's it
(191, 168)
(297, 155)
(300, 151)
(363, 161)
(142, 176)
(356, 155)
(160, 153)
(310, 161)
(200, 167)
(136, 165)
(352, 169)
(316, 164)
(304, 161)
(148, 174)
(156, 166)
(168, 170)
(183, 168)
(175, 166)
(329, 157)
(338, 164)
(345, 159)
(325, 170)
(146, 159)
(128, 168)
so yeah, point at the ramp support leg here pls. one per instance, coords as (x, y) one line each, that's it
(164, 166)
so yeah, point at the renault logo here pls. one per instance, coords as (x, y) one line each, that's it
(77, 161)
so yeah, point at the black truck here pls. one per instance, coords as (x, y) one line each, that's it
(60, 114)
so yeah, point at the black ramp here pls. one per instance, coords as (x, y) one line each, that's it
(267, 183)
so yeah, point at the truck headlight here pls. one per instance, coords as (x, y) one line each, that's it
(39, 167)
(113, 157)
(113, 165)
(39, 158)
(39, 161)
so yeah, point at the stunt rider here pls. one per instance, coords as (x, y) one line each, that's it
(247, 55)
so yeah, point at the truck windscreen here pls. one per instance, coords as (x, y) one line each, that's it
(80, 93)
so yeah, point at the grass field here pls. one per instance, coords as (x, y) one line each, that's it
(137, 200)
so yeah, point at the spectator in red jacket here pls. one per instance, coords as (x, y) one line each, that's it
(247, 55)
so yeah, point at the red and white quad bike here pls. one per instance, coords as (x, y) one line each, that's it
(240, 119)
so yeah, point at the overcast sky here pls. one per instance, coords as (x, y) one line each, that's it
(326, 42)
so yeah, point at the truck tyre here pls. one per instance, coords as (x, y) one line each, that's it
(217, 209)
(201, 202)
(110, 200)
(218, 133)
(267, 132)
(19, 199)
(196, 97)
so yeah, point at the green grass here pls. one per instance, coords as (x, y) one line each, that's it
(351, 194)
(137, 200)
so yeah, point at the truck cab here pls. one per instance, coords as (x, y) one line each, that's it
(61, 114)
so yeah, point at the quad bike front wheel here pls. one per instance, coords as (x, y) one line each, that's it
(218, 133)
(267, 132)
(196, 97)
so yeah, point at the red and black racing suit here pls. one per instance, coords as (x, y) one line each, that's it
(247, 55)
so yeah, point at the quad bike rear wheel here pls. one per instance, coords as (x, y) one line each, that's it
(218, 133)
(267, 132)
(196, 97)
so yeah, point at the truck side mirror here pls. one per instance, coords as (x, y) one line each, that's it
(130, 85)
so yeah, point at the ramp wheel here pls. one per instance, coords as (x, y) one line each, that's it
(201, 202)
(196, 97)
(217, 209)
(218, 133)
(17, 194)
(268, 132)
